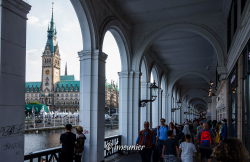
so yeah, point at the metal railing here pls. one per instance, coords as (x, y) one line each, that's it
(110, 144)
(53, 154)
(48, 155)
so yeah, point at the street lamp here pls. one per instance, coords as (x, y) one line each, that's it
(153, 92)
(179, 105)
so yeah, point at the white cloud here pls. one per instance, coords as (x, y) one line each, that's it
(73, 26)
(32, 51)
(33, 20)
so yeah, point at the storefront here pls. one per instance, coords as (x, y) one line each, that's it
(239, 98)
(246, 96)
(232, 114)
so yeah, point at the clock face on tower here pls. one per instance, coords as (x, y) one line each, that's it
(47, 72)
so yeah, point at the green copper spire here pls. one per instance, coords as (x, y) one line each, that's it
(51, 32)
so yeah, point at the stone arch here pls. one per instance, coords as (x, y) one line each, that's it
(201, 30)
(87, 25)
(163, 85)
(144, 70)
(155, 73)
(178, 77)
(117, 30)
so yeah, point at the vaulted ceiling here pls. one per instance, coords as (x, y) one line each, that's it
(180, 51)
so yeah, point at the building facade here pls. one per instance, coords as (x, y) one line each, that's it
(60, 92)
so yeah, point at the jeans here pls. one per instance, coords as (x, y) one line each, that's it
(146, 154)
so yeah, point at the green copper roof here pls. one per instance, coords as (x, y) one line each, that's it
(34, 84)
(68, 85)
(67, 78)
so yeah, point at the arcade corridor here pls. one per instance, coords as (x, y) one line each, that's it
(196, 51)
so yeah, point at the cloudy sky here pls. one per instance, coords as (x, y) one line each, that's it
(69, 40)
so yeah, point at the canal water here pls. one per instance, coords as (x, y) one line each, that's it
(45, 139)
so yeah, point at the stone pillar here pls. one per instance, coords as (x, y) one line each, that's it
(164, 105)
(155, 112)
(12, 78)
(168, 108)
(145, 109)
(160, 103)
(92, 102)
(123, 105)
(134, 124)
(240, 93)
(213, 108)
(149, 107)
(129, 106)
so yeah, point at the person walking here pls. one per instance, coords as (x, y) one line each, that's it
(172, 127)
(161, 136)
(186, 129)
(170, 149)
(79, 146)
(205, 141)
(146, 139)
(223, 131)
(67, 140)
(187, 150)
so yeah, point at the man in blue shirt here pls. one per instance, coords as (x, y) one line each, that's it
(161, 136)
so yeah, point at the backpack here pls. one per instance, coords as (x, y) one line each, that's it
(205, 138)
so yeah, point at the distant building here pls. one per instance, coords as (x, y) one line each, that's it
(60, 92)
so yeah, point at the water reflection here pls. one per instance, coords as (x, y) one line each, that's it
(50, 138)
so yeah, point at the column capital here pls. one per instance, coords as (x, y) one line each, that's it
(89, 54)
(222, 71)
(135, 74)
(123, 74)
(20, 8)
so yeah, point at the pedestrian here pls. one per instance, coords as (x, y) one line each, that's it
(155, 150)
(79, 146)
(199, 128)
(161, 136)
(187, 150)
(170, 149)
(217, 133)
(67, 140)
(205, 141)
(186, 129)
(146, 139)
(231, 150)
(223, 130)
(172, 127)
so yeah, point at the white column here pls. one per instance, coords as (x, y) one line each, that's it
(213, 108)
(92, 100)
(145, 109)
(123, 106)
(129, 106)
(149, 108)
(168, 108)
(12, 78)
(155, 113)
(164, 105)
(160, 103)
(135, 89)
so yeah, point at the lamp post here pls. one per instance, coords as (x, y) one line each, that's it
(179, 105)
(153, 92)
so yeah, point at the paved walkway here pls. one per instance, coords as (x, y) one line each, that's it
(130, 158)
(135, 157)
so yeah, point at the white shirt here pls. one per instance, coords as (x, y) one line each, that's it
(187, 151)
